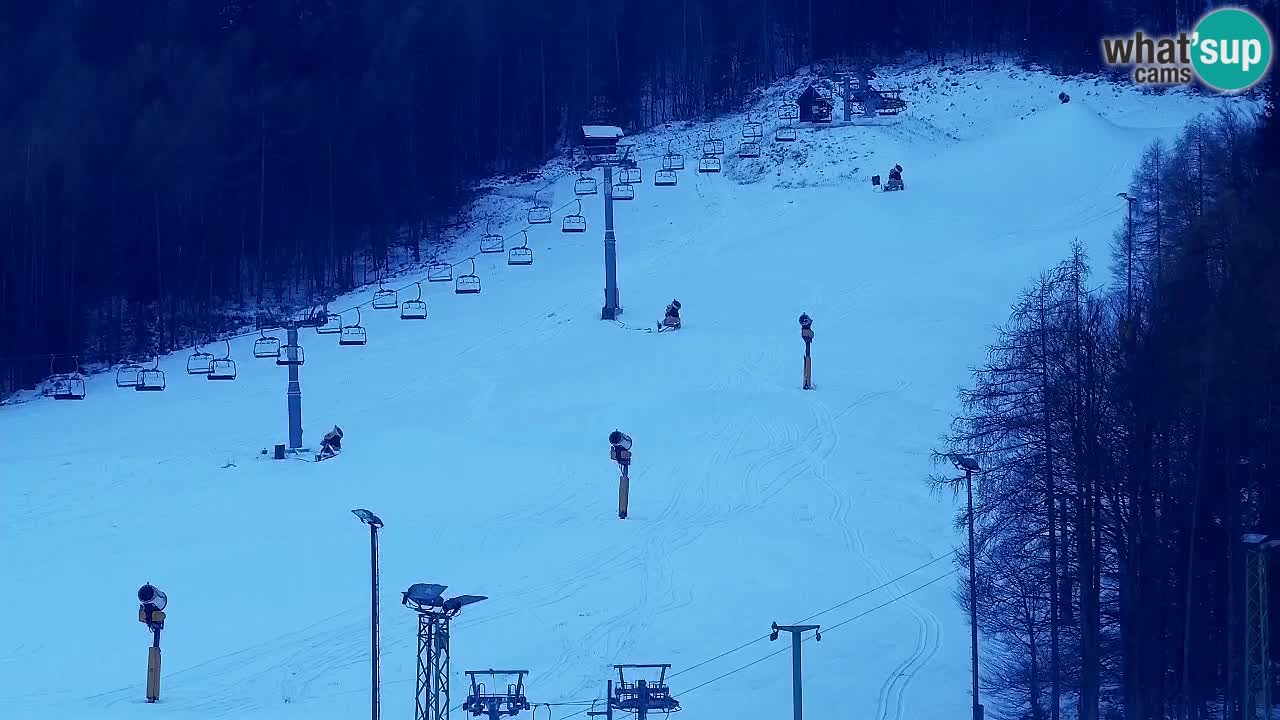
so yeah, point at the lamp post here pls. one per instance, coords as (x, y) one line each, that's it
(797, 702)
(970, 466)
(374, 522)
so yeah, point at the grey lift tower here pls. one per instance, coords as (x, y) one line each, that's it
(434, 614)
(601, 149)
(1257, 642)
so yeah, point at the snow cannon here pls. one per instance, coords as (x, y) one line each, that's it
(152, 597)
(619, 439)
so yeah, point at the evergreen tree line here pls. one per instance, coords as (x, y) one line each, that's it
(1128, 437)
(168, 168)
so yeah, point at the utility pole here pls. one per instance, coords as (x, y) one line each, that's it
(970, 466)
(797, 632)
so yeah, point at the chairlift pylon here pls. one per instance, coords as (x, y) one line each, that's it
(385, 299)
(151, 379)
(223, 368)
(751, 130)
(540, 213)
(414, 309)
(468, 284)
(266, 346)
(624, 191)
(521, 255)
(672, 160)
(709, 164)
(490, 242)
(713, 145)
(198, 363)
(574, 223)
(664, 178)
(353, 334)
(439, 272)
(585, 185)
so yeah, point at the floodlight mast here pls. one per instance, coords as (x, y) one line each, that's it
(434, 613)
(374, 522)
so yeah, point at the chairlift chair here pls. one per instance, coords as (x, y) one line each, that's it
(223, 368)
(540, 213)
(789, 112)
(749, 149)
(291, 355)
(664, 178)
(709, 164)
(151, 379)
(127, 375)
(67, 386)
(574, 223)
(712, 145)
(414, 309)
(785, 134)
(521, 255)
(468, 284)
(332, 324)
(624, 191)
(751, 130)
(632, 175)
(672, 160)
(385, 299)
(266, 346)
(198, 363)
(439, 272)
(353, 334)
(585, 186)
(491, 242)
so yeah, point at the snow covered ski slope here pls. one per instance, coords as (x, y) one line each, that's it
(479, 436)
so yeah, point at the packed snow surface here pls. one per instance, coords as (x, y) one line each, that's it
(479, 436)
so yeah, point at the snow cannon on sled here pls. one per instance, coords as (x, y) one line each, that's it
(894, 182)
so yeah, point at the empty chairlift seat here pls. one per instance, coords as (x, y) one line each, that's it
(491, 242)
(414, 309)
(585, 186)
(540, 213)
(353, 334)
(672, 160)
(521, 255)
(127, 375)
(332, 325)
(749, 149)
(198, 363)
(664, 178)
(266, 346)
(385, 299)
(223, 368)
(469, 283)
(709, 164)
(439, 272)
(624, 191)
(574, 223)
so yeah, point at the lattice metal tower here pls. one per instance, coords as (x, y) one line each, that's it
(1256, 703)
(434, 614)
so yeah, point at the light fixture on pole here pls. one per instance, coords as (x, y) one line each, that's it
(970, 466)
(374, 523)
(434, 613)
(796, 631)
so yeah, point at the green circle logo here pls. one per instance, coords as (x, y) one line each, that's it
(1232, 49)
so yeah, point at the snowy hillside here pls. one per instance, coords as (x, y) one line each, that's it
(479, 436)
